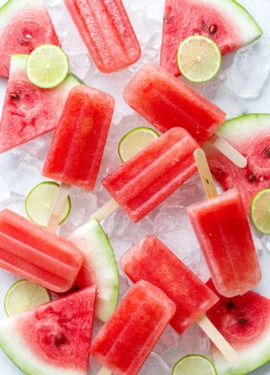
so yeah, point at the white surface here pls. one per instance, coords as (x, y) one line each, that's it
(121, 232)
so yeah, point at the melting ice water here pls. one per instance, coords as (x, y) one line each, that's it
(20, 168)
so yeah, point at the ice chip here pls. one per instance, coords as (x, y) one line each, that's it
(250, 69)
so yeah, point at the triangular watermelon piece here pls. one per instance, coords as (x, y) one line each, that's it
(224, 21)
(250, 135)
(24, 25)
(245, 323)
(29, 111)
(52, 339)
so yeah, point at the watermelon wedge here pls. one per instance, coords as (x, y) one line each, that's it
(250, 135)
(24, 25)
(245, 322)
(225, 21)
(99, 266)
(29, 111)
(52, 339)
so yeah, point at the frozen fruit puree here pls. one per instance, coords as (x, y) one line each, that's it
(150, 176)
(223, 232)
(77, 147)
(125, 341)
(37, 254)
(106, 31)
(166, 102)
(150, 260)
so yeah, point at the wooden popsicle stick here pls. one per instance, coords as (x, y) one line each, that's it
(207, 326)
(205, 173)
(105, 210)
(229, 151)
(104, 371)
(221, 343)
(57, 208)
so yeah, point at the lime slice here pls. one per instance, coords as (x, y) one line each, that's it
(194, 364)
(198, 58)
(23, 295)
(47, 66)
(134, 141)
(260, 211)
(40, 200)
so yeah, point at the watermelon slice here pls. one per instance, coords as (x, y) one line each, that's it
(250, 135)
(99, 266)
(225, 21)
(24, 25)
(245, 322)
(29, 111)
(52, 339)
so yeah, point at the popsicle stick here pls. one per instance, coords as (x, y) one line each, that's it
(105, 210)
(104, 371)
(57, 207)
(221, 343)
(205, 174)
(211, 192)
(229, 151)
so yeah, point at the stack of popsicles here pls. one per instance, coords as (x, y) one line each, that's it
(165, 290)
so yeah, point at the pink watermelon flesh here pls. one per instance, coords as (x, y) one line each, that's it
(245, 323)
(28, 26)
(183, 18)
(250, 135)
(56, 335)
(29, 111)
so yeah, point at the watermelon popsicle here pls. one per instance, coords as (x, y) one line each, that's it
(37, 255)
(150, 260)
(222, 229)
(107, 32)
(167, 102)
(150, 176)
(76, 151)
(126, 340)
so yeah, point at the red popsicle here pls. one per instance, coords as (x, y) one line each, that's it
(106, 31)
(126, 340)
(36, 254)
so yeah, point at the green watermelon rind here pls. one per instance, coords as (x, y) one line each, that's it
(242, 127)
(257, 356)
(94, 243)
(250, 30)
(16, 349)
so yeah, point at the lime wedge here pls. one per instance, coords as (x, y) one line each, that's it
(260, 211)
(40, 200)
(198, 58)
(23, 295)
(134, 141)
(194, 364)
(47, 66)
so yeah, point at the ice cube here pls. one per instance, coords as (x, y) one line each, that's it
(172, 226)
(24, 179)
(218, 93)
(250, 69)
(155, 365)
